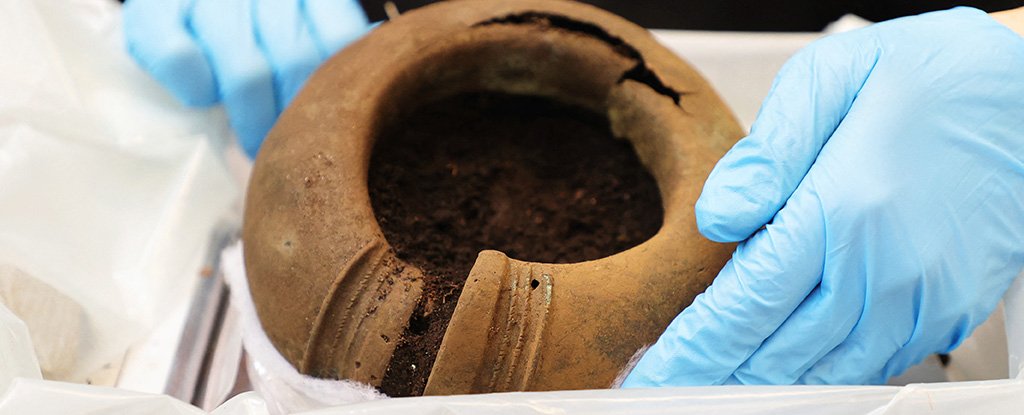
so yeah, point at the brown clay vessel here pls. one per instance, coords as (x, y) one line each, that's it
(333, 297)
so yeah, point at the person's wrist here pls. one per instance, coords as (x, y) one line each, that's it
(1013, 19)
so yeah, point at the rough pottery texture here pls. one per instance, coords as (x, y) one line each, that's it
(334, 297)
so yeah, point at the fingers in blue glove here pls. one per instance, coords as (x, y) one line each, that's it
(173, 57)
(938, 201)
(245, 79)
(251, 55)
(845, 302)
(335, 23)
(820, 85)
(285, 38)
(808, 100)
(916, 179)
(776, 272)
(769, 276)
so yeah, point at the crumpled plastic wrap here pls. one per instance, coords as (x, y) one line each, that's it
(109, 187)
(16, 354)
(33, 396)
(990, 397)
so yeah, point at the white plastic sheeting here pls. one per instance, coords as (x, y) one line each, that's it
(108, 191)
(32, 396)
(16, 355)
(108, 188)
(991, 397)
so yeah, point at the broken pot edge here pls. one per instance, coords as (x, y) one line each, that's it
(329, 291)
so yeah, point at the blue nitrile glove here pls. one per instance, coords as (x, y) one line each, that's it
(882, 191)
(252, 55)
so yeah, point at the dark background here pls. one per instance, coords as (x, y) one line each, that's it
(782, 15)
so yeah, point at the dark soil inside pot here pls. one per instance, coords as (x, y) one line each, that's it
(535, 179)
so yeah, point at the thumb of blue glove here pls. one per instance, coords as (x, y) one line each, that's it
(880, 200)
(252, 55)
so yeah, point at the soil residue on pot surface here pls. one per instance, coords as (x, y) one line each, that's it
(538, 180)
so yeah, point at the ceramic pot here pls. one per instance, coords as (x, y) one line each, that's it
(333, 297)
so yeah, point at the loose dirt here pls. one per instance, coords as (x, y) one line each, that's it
(535, 179)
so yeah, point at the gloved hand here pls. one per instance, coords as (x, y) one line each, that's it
(252, 55)
(882, 192)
